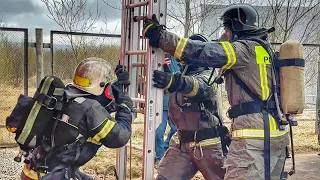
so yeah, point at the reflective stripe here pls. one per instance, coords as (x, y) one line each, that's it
(273, 123)
(93, 141)
(232, 59)
(210, 142)
(195, 88)
(104, 131)
(169, 84)
(257, 133)
(180, 48)
(58, 92)
(34, 112)
(147, 28)
(262, 59)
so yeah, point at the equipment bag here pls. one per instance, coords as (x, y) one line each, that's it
(30, 116)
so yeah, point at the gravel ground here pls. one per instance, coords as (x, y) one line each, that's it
(9, 169)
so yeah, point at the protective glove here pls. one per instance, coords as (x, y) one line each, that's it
(122, 97)
(152, 29)
(164, 80)
(123, 76)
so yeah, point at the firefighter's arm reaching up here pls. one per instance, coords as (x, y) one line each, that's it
(206, 54)
(111, 133)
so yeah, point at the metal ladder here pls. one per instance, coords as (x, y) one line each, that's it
(141, 60)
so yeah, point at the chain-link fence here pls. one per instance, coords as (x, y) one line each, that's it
(69, 48)
(13, 73)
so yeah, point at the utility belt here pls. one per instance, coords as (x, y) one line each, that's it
(197, 136)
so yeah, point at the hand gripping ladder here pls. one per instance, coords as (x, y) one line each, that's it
(141, 60)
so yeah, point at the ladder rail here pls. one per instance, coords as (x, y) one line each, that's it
(136, 53)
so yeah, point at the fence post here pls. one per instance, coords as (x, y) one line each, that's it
(39, 54)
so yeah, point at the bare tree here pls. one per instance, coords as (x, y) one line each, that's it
(189, 15)
(73, 15)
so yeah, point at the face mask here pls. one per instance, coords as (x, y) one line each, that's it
(106, 97)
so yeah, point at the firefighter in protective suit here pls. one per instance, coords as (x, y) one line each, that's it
(193, 109)
(85, 123)
(245, 64)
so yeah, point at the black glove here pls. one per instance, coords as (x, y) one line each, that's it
(122, 97)
(123, 76)
(152, 29)
(164, 80)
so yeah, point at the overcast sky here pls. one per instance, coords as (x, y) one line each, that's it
(33, 14)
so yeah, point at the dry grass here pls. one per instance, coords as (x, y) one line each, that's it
(305, 140)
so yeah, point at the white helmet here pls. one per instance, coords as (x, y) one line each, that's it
(93, 74)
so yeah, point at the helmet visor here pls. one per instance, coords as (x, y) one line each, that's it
(242, 18)
(225, 34)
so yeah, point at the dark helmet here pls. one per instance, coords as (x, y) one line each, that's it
(194, 67)
(240, 17)
(199, 37)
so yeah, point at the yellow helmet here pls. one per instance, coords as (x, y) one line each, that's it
(93, 74)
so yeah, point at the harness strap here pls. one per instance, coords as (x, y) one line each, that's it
(266, 148)
(50, 102)
(197, 136)
(290, 62)
(242, 84)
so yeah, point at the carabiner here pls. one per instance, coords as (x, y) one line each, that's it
(201, 152)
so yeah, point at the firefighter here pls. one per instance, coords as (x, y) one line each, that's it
(193, 109)
(85, 124)
(245, 64)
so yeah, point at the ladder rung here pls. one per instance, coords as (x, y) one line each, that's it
(139, 100)
(136, 147)
(138, 4)
(136, 52)
(138, 65)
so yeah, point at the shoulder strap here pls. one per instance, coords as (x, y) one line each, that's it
(242, 84)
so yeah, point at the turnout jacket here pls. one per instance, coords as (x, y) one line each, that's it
(86, 118)
(248, 59)
(195, 91)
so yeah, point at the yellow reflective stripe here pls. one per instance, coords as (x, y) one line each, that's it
(262, 59)
(264, 82)
(91, 140)
(257, 133)
(58, 92)
(210, 142)
(175, 138)
(231, 56)
(169, 84)
(146, 29)
(195, 89)
(104, 131)
(273, 124)
(180, 48)
(34, 112)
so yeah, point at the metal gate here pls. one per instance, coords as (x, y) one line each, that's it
(69, 48)
(13, 74)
